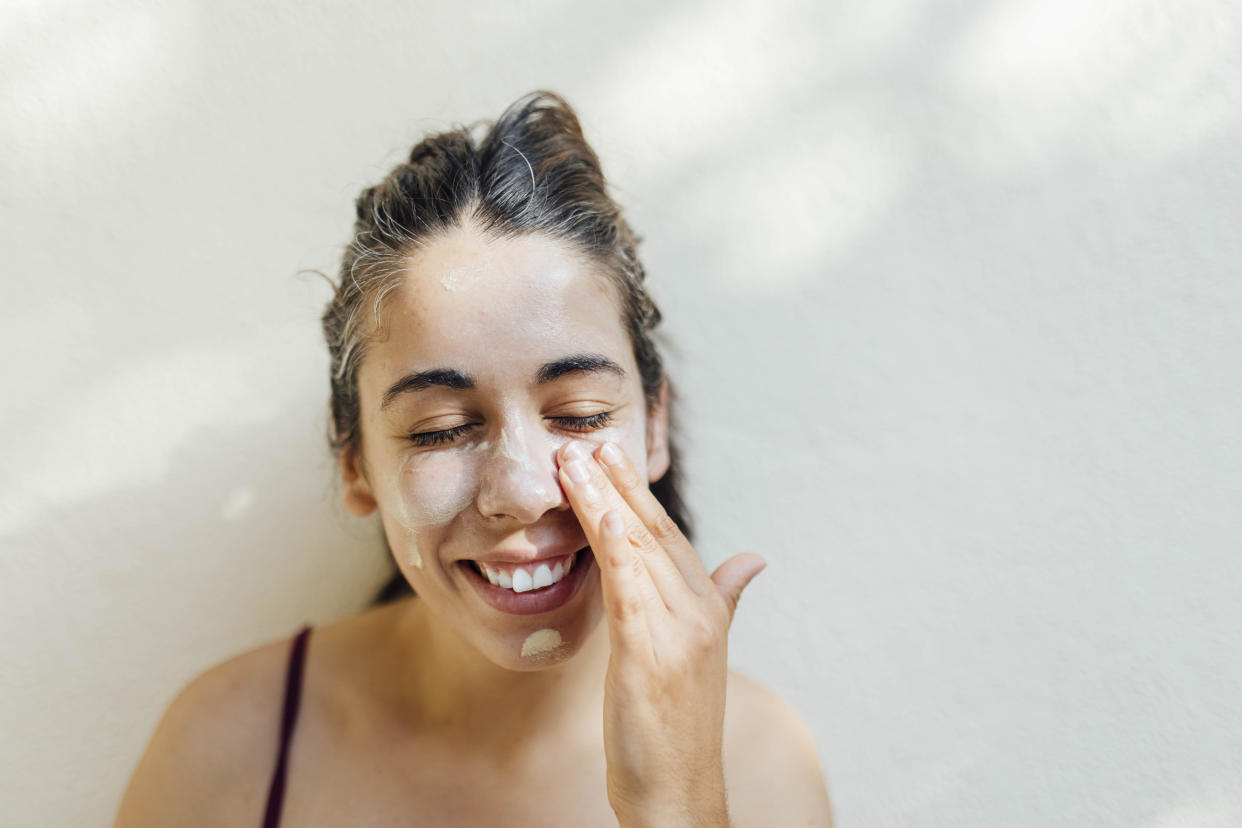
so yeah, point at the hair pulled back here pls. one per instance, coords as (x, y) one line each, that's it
(532, 171)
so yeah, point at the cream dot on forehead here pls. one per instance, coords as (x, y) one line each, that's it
(465, 265)
(464, 277)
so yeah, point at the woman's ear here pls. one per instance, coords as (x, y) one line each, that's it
(657, 437)
(359, 499)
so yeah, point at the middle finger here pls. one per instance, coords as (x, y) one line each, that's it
(592, 495)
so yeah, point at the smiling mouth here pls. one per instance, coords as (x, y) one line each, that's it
(529, 577)
(576, 569)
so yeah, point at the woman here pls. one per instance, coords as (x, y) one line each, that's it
(498, 401)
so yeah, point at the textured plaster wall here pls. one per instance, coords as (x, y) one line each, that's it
(955, 294)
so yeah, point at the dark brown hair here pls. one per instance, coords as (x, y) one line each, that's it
(530, 172)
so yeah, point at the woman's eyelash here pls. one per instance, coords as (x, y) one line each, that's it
(448, 435)
(584, 423)
(435, 438)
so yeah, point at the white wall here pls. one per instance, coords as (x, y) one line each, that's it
(955, 290)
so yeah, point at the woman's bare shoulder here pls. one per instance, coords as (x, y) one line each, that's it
(771, 766)
(210, 758)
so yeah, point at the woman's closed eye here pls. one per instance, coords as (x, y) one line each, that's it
(445, 435)
(589, 423)
(450, 435)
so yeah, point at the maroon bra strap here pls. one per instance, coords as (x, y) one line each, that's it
(288, 718)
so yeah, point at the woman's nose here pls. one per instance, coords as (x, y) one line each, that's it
(519, 477)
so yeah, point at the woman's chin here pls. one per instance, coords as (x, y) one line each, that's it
(542, 646)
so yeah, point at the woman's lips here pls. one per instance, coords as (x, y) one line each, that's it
(523, 577)
(533, 601)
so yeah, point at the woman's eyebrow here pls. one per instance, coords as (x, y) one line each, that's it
(457, 380)
(577, 364)
(443, 377)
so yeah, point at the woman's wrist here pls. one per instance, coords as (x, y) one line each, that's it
(714, 815)
(705, 807)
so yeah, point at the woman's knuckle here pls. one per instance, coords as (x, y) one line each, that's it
(640, 568)
(642, 541)
(627, 608)
(616, 555)
(666, 529)
(706, 630)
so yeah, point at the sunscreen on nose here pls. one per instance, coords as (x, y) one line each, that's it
(511, 446)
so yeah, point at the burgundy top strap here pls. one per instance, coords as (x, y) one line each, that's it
(288, 718)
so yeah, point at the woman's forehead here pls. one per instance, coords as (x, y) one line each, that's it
(472, 303)
(464, 272)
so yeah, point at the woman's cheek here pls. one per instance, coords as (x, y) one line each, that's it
(632, 439)
(634, 444)
(430, 489)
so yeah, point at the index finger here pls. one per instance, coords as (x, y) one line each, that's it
(592, 495)
(636, 492)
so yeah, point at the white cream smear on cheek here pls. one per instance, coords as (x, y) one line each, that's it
(541, 641)
(431, 489)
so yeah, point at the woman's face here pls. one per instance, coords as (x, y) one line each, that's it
(497, 352)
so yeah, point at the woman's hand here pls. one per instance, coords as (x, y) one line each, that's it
(668, 624)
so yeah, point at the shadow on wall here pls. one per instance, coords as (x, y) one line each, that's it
(236, 547)
(252, 512)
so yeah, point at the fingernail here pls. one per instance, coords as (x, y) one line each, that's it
(577, 471)
(610, 454)
(576, 451)
(613, 525)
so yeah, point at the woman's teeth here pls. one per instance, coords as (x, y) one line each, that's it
(527, 577)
